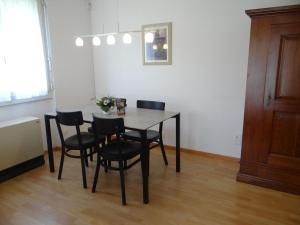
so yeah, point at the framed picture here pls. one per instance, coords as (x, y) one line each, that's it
(157, 44)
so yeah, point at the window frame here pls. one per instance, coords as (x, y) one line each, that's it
(43, 18)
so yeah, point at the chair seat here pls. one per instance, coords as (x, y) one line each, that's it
(88, 140)
(152, 135)
(129, 150)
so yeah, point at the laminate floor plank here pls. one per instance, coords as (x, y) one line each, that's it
(204, 193)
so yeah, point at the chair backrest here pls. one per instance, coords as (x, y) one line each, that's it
(108, 126)
(74, 119)
(70, 118)
(145, 104)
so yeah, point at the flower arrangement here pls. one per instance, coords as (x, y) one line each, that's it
(106, 103)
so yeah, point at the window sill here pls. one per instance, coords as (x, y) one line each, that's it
(34, 99)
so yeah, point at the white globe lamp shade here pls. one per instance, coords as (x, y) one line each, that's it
(149, 37)
(79, 42)
(165, 46)
(154, 47)
(111, 40)
(96, 41)
(127, 39)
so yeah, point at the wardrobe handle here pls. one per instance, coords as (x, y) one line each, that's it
(269, 99)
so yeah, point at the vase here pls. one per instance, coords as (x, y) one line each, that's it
(106, 112)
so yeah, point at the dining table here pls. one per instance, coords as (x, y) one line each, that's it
(137, 119)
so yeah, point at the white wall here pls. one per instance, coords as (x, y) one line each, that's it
(206, 82)
(72, 66)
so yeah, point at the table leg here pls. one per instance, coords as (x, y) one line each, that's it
(49, 142)
(178, 143)
(145, 163)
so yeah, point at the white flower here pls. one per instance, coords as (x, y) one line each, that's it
(106, 102)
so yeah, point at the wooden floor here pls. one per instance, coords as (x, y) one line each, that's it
(205, 192)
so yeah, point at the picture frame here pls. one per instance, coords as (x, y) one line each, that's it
(157, 44)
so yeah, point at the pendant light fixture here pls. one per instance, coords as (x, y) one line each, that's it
(96, 41)
(149, 37)
(127, 39)
(79, 42)
(109, 37)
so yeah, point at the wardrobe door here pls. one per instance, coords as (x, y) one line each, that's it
(282, 99)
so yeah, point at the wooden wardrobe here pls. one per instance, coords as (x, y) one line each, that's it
(271, 134)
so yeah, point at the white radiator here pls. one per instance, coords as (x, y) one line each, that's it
(21, 146)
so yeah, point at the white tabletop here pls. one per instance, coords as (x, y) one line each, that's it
(134, 118)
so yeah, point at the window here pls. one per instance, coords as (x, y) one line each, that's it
(23, 52)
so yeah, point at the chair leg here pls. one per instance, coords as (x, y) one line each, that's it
(91, 155)
(86, 158)
(61, 162)
(122, 182)
(96, 173)
(82, 158)
(106, 165)
(163, 150)
(148, 163)
(144, 176)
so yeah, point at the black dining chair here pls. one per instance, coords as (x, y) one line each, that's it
(153, 136)
(108, 137)
(80, 141)
(117, 150)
